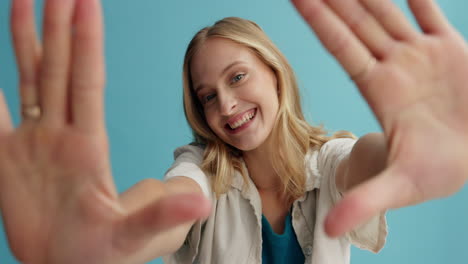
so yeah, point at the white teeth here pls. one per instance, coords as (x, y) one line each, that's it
(242, 121)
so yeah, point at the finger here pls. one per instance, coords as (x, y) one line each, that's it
(88, 67)
(56, 58)
(6, 125)
(386, 191)
(391, 18)
(27, 49)
(334, 35)
(158, 217)
(364, 25)
(429, 16)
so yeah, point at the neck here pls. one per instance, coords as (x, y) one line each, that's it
(261, 169)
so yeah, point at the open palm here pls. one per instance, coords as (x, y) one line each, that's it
(57, 196)
(415, 83)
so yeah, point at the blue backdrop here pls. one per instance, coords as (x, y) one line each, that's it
(145, 44)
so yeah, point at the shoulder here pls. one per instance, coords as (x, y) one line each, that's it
(337, 145)
(332, 149)
(187, 161)
(192, 152)
(321, 161)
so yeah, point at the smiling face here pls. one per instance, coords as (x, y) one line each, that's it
(238, 92)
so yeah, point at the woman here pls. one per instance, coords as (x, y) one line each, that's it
(54, 165)
(242, 101)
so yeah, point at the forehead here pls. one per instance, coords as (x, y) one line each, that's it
(215, 55)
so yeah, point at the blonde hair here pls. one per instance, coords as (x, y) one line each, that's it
(291, 134)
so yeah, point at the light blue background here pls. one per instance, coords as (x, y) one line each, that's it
(145, 43)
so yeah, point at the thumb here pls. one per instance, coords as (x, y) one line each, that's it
(388, 190)
(160, 216)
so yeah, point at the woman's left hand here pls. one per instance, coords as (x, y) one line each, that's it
(416, 83)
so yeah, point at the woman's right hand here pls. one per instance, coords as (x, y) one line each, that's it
(57, 196)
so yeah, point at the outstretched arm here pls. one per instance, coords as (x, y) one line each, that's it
(57, 195)
(367, 159)
(177, 201)
(415, 82)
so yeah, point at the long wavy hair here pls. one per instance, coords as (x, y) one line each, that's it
(291, 134)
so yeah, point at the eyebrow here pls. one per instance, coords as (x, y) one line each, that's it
(200, 86)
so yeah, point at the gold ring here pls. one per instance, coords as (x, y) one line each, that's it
(29, 112)
(362, 73)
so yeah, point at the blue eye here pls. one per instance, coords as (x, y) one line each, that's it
(238, 78)
(208, 98)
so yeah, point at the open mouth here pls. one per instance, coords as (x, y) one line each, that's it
(241, 123)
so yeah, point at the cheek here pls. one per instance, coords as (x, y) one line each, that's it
(211, 121)
(268, 98)
(266, 88)
(271, 107)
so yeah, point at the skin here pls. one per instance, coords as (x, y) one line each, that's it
(416, 88)
(417, 91)
(66, 189)
(231, 80)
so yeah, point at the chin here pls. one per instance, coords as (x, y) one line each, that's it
(247, 146)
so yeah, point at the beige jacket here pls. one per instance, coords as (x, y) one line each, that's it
(233, 232)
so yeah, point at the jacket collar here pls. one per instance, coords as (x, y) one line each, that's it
(311, 173)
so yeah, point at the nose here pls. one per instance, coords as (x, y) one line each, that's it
(227, 103)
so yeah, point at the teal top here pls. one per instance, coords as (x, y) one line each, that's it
(280, 249)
